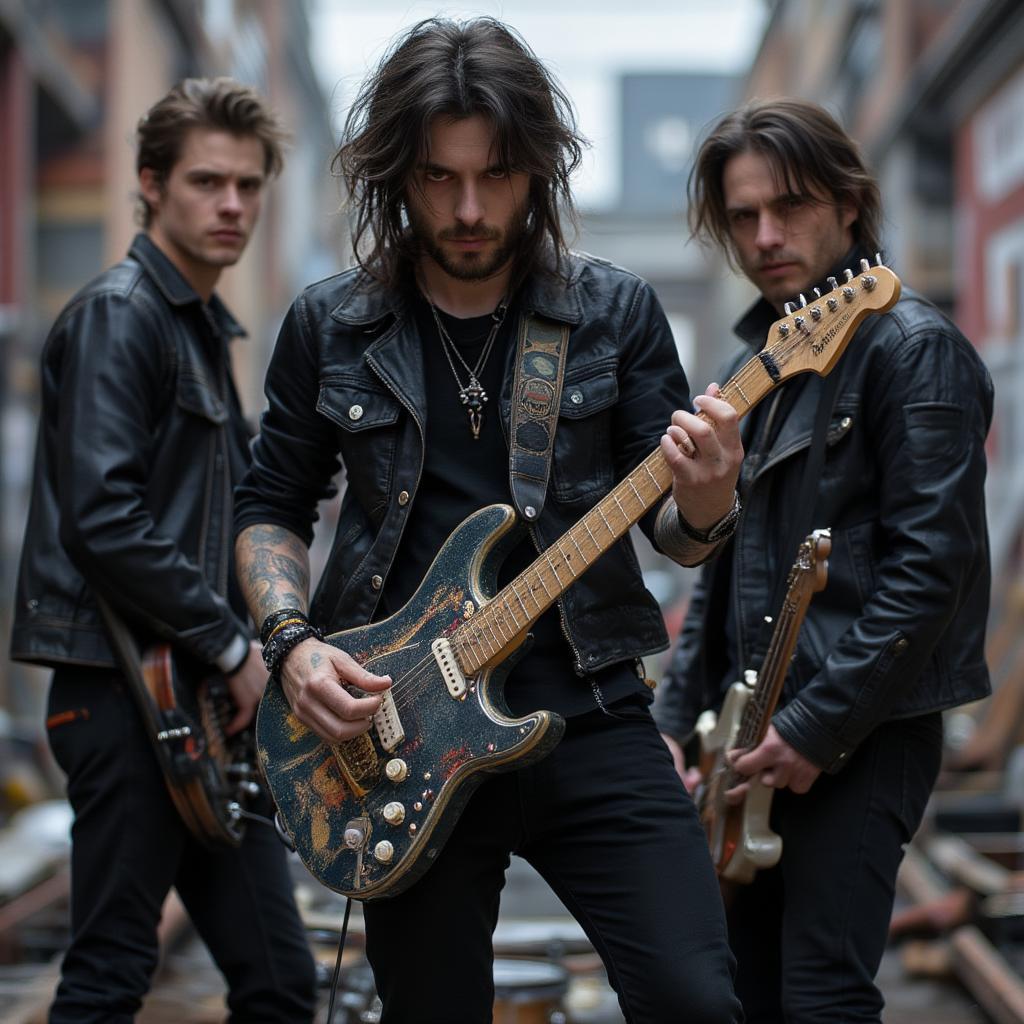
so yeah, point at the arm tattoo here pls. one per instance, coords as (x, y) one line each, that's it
(273, 570)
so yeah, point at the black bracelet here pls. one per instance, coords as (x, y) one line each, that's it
(281, 643)
(274, 619)
(716, 531)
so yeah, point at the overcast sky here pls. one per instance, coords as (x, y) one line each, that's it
(586, 44)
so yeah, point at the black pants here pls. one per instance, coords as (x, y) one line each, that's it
(129, 848)
(809, 933)
(606, 822)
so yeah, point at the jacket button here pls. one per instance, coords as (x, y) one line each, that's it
(901, 645)
(355, 412)
(576, 397)
(403, 498)
(845, 422)
(376, 582)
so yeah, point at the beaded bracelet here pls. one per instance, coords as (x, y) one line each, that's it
(282, 642)
(278, 618)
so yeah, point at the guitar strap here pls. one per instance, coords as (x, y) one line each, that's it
(536, 396)
(801, 524)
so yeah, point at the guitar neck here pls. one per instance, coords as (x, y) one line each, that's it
(499, 626)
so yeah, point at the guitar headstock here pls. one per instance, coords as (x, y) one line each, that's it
(813, 334)
(810, 570)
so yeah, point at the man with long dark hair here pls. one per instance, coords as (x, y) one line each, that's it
(457, 156)
(141, 439)
(897, 634)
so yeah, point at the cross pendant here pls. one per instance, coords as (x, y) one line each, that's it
(473, 397)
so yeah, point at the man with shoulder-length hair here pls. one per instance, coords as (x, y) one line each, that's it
(141, 439)
(457, 155)
(897, 634)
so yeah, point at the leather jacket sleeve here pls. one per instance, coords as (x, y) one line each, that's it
(294, 456)
(929, 406)
(114, 368)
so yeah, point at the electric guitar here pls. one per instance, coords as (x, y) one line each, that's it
(184, 706)
(739, 835)
(210, 776)
(369, 815)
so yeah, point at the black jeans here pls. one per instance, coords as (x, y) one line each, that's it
(606, 822)
(129, 847)
(809, 933)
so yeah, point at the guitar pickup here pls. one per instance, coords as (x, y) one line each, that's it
(388, 724)
(453, 677)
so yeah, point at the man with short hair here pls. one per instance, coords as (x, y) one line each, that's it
(897, 634)
(141, 440)
(457, 155)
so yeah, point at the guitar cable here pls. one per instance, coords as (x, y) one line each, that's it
(337, 963)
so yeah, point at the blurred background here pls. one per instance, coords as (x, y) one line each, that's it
(932, 89)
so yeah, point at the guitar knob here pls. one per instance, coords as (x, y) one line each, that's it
(394, 813)
(396, 769)
(384, 851)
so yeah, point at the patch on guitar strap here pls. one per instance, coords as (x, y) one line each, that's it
(536, 395)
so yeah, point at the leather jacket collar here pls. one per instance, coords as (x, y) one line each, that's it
(175, 289)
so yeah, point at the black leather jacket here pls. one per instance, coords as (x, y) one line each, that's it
(346, 380)
(140, 440)
(899, 629)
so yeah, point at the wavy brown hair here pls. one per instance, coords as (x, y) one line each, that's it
(218, 104)
(809, 152)
(456, 70)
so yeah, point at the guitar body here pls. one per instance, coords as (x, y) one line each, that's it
(340, 803)
(368, 816)
(740, 838)
(210, 776)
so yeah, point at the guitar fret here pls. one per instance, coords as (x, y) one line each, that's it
(510, 614)
(494, 644)
(604, 519)
(520, 600)
(566, 562)
(496, 619)
(540, 579)
(578, 548)
(554, 569)
(591, 532)
(615, 498)
(629, 480)
(647, 470)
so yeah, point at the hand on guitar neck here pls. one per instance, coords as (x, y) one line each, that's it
(704, 452)
(776, 762)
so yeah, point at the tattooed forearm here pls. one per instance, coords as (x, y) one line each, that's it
(273, 570)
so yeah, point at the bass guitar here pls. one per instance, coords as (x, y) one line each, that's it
(369, 815)
(211, 777)
(739, 834)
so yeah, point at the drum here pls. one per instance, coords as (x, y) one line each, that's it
(529, 992)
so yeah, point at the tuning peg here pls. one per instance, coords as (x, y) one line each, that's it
(833, 283)
(864, 266)
(803, 301)
(789, 308)
(878, 260)
(817, 293)
(849, 274)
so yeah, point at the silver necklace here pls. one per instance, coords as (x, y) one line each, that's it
(472, 393)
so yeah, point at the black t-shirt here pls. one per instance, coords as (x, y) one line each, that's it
(461, 475)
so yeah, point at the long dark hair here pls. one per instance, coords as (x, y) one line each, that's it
(807, 149)
(455, 69)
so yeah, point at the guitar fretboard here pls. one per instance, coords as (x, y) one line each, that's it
(498, 626)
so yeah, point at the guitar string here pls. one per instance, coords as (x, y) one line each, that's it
(402, 690)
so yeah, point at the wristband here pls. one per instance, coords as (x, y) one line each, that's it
(717, 531)
(278, 618)
(283, 640)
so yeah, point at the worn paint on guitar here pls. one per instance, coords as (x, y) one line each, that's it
(450, 743)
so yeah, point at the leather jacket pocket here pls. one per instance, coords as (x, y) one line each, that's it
(582, 463)
(365, 414)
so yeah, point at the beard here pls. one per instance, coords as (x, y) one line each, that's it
(469, 266)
